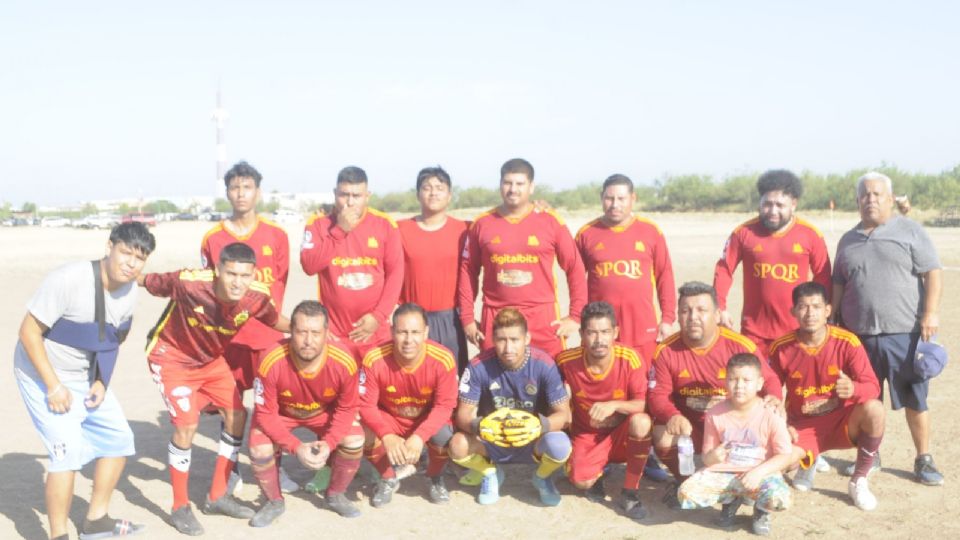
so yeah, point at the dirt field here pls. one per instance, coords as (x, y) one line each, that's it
(906, 510)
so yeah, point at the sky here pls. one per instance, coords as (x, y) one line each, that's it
(113, 99)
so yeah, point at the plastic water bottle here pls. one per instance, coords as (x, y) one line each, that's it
(685, 454)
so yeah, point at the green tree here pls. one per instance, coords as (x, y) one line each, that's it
(29, 207)
(222, 205)
(162, 206)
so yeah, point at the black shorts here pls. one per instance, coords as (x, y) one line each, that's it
(446, 330)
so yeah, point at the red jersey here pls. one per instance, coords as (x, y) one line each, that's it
(281, 390)
(423, 395)
(272, 247)
(773, 264)
(626, 266)
(810, 374)
(196, 322)
(625, 379)
(358, 272)
(431, 263)
(690, 381)
(516, 256)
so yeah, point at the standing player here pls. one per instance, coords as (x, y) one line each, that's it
(63, 362)
(185, 355)
(627, 263)
(608, 387)
(515, 245)
(432, 243)
(778, 250)
(513, 375)
(269, 241)
(691, 371)
(408, 393)
(832, 392)
(308, 382)
(357, 256)
(886, 289)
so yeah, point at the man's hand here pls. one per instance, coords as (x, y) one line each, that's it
(364, 328)
(414, 447)
(844, 387)
(396, 451)
(726, 319)
(95, 395)
(664, 331)
(929, 324)
(602, 410)
(751, 479)
(794, 436)
(313, 455)
(474, 335)
(59, 399)
(348, 218)
(565, 327)
(679, 425)
(717, 455)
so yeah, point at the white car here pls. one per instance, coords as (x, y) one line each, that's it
(287, 216)
(54, 221)
(97, 222)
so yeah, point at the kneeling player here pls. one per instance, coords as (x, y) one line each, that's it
(408, 392)
(608, 386)
(307, 382)
(831, 392)
(512, 375)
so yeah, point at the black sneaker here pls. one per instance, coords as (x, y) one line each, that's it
(761, 522)
(384, 492)
(185, 522)
(728, 515)
(631, 505)
(227, 505)
(268, 513)
(342, 506)
(596, 493)
(672, 497)
(926, 472)
(438, 490)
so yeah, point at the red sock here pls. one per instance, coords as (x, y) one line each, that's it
(179, 460)
(438, 460)
(345, 466)
(669, 458)
(637, 452)
(228, 453)
(378, 458)
(867, 447)
(267, 473)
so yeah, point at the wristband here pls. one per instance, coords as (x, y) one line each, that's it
(55, 391)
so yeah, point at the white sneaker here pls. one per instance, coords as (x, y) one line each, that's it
(803, 478)
(287, 485)
(822, 465)
(859, 490)
(234, 484)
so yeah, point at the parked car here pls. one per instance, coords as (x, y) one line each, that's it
(54, 221)
(147, 219)
(287, 216)
(97, 222)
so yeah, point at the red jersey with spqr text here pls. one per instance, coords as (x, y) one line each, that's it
(811, 374)
(627, 265)
(423, 395)
(196, 322)
(690, 381)
(773, 264)
(272, 247)
(624, 380)
(282, 390)
(517, 256)
(359, 272)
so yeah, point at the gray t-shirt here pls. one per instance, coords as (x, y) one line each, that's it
(68, 293)
(881, 275)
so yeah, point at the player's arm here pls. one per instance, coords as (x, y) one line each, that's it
(266, 410)
(370, 413)
(568, 257)
(59, 397)
(661, 406)
(723, 274)
(320, 241)
(345, 412)
(466, 417)
(636, 392)
(266, 312)
(559, 417)
(666, 287)
(206, 255)
(468, 285)
(281, 257)
(932, 292)
(444, 401)
(159, 284)
(558, 398)
(713, 450)
(820, 263)
(369, 323)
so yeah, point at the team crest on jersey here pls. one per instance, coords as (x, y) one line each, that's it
(532, 240)
(580, 394)
(722, 374)
(241, 318)
(832, 370)
(599, 246)
(618, 394)
(199, 309)
(684, 374)
(192, 321)
(638, 245)
(758, 248)
(372, 242)
(530, 389)
(329, 392)
(796, 375)
(267, 251)
(496, 239)
(286, 393)
(797, 248)
(391, 388)
(426, 390)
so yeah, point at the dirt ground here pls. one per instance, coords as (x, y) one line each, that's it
(906, 510)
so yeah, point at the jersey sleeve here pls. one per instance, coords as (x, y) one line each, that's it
(370, 411)
(771, 382)
(820, 263)
(206, 255)
(726, 266)
(658, 399)
(267, 412)
(923, 253)
(468, 282)
(53, 298)
(444, 401)
(471, 385)
(555, 391)
(161, 284)
(392, 274)
(637, 383)
(345, 412)
(568, 257)
(666, 286)
(321, 238)
(857, 366)
(266, 312)
(281, 256)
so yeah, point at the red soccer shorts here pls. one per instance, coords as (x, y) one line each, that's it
(592, 452)
(817, 434)
(187, 390)
(318, 424)
(245, 349)
(542, 335)
(404, 427)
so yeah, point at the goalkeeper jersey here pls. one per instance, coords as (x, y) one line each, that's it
(534, 387)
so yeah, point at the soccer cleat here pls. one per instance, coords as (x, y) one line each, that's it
(471, 478)
(803, 478)
(384, 492)
(728, 514)
(822, 465)
(549, 495)
(320, 481)
(234, 484)
(859, 491)
(227, 505)
(653, 471)
(268, 513)
(631, 505)
(287, 485)
(438, 490)
(596, 493)
(926, 472)
(490, 487)
(848, 470)
(761, 522)
(672, 497)
(185, 522)
(342, 506)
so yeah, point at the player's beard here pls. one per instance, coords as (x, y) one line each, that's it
(774, 227)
